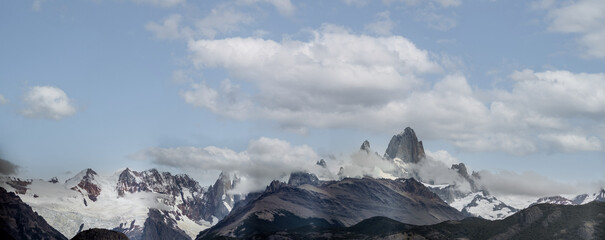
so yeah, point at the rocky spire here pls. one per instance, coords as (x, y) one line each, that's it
(463, 172)
(406, 147)
(322, 163)
(365, 146)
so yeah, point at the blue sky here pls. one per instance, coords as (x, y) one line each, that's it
(515, 88)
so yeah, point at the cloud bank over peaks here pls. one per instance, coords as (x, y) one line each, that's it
(337, 78)
(341, 79)
(264, 160)
(267, 159)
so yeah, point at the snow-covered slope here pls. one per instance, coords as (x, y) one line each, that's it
(122, 200)
(482, 205)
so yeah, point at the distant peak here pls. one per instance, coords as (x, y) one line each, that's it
(365, 146)
(408, 131)
(224, 176)
(406, 147)
(461, 169)
(322, 163)
(89, 171)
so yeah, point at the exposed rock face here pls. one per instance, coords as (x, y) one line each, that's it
(218, 199)
(365, 146)
(53, 180)
(335, 203)
(19, 185)
(19, 221)
(301, 178)
(463, 172)
(321, 163)
(158, 227)
(193, 202)
(274, 186)
(154, 181)
(99, 234)
(406, 147)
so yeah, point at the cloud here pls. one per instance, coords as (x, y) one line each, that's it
(437, 21)
(170, 28)
(531, 184)
(583, 18)
(334, 74)
(264, 160)
(382, 26)
(558, 93)
(356, 3)
(441, 3)
(339, 79)
(7, 168)
(573, 143)
(437, 14)
(222, 20)
(37, 5)
(228, 100)
(2, 100)
(161, 3)
(442, 156)
(47, 102)
(284, 7)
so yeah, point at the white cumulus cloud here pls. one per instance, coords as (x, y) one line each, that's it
(47, 102)
(340, 79)
(584, 18)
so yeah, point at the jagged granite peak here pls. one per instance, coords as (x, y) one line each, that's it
(154, 181)
(301, 178)
(322, 163)
(461, 169)
(406, 147)
(365, 146)
(19, 221)
(274, 186)
(219, 200)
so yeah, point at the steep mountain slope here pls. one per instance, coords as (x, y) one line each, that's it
(543, 221)
(19, 221)
(123, 201)
(332, 204)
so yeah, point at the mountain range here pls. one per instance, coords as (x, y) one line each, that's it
(90, 200)
(401, 198)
